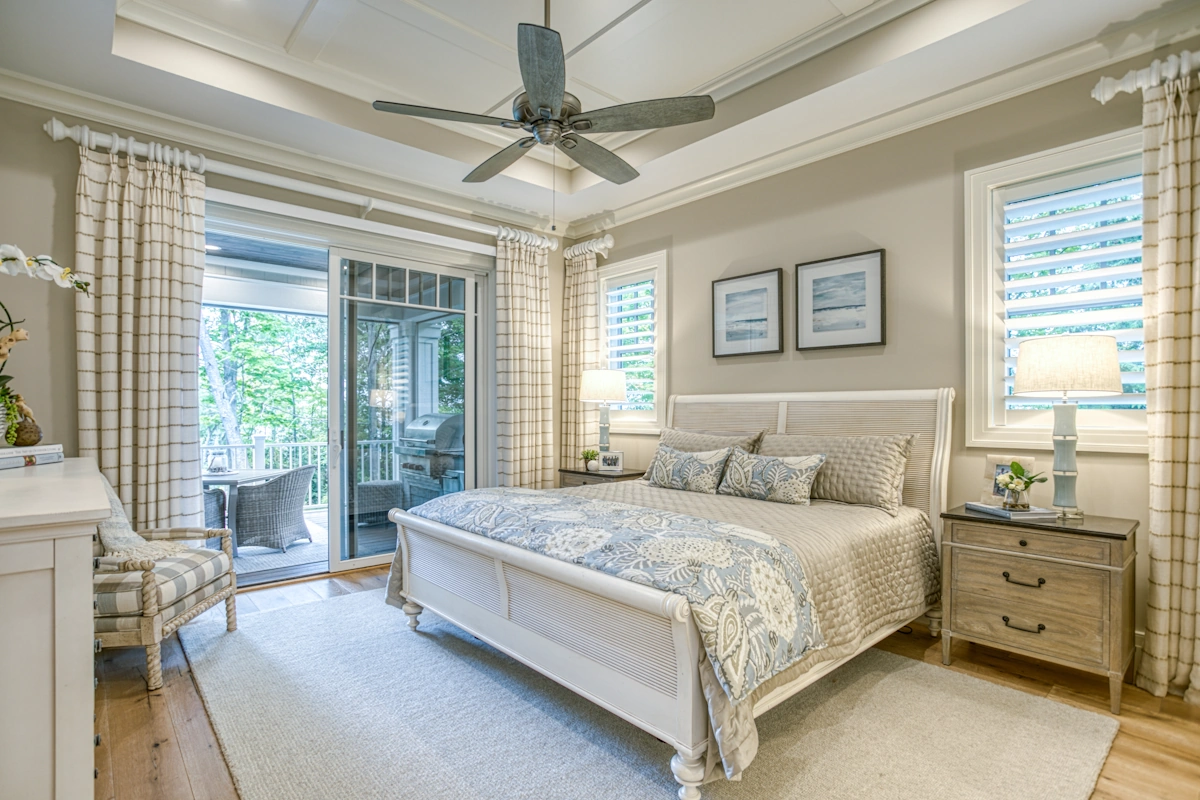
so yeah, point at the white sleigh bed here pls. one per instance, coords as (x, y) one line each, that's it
(630, 648)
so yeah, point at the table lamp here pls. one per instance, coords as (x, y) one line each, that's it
(1068, 368)
(602, 386)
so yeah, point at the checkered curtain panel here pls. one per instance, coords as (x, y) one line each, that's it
(139, 241)
(580, 422)
(1171, 296)
(524, 388)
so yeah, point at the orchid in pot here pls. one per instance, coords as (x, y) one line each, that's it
(16, 417)
(1015, 483)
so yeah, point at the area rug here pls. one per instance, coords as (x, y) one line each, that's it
(338, 700)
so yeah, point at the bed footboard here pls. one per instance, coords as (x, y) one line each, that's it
(630, 649)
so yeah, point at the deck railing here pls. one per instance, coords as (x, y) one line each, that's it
(375, 461)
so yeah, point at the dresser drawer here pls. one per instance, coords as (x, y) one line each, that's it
(1070, 637)
(1046, 584)
(1019, 540)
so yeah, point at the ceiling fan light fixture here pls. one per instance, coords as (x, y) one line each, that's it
(545, 109)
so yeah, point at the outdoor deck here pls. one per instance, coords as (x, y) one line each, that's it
(306, 558)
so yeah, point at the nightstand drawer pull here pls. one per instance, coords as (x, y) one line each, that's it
(1024, 543)
(1037, 585)
(1008, 624)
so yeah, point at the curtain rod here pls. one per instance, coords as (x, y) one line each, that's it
(95, 140)
(599, 246)
(1160, 70)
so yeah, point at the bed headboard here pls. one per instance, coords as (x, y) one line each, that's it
(925, 412)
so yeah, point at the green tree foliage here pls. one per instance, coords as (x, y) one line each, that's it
(272, 369)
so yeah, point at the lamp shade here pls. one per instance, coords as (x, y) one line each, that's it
(1068, 366)
(602, 386)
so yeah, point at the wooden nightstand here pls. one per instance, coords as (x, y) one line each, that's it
(1061, 592)
(581, 477)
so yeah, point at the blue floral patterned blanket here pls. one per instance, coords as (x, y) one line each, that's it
(746, 590)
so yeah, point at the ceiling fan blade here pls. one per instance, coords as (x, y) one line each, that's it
(543, 68)
(605, 163)
(645, 114)
(499, 162)
(441, 113)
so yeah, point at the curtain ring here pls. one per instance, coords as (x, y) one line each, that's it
(187, 160)
(201, 167)
(129, 144)
(85, 134)
(114, 144)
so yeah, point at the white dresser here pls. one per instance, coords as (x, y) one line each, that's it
(48, 515)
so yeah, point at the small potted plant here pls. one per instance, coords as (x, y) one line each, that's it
(1015, 484)
(589, 459)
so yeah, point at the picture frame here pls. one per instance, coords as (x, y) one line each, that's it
(994, 467)
(841, 302)
(747, 314)
(612, 461)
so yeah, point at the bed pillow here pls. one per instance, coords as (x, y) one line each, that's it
(686, 441)
(859, 470)
(689, 472)
(771, 478)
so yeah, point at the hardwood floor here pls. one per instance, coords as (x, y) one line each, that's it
(160, 744)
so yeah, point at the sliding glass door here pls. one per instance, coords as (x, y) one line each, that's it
(403, 411)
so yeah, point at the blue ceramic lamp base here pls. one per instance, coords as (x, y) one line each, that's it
(1066, 436)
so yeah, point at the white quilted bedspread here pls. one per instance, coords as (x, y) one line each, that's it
(865, 568)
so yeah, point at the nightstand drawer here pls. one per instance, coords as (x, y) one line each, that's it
(1011, 624)
(1019, 540)
(1046, 584)
(582, 480)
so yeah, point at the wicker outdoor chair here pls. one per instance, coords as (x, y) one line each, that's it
(214, 508)
(271, 514)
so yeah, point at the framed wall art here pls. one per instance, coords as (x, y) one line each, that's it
(840, 302)
(747, 314)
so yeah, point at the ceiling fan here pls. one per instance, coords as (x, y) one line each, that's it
(555, 117)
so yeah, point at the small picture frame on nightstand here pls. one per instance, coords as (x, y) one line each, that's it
(995, 466)
(612, 461)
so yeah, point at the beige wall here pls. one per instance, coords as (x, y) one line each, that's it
(37, 213)
(904, 194)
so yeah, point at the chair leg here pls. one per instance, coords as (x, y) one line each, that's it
(231, 613)
(154, 678)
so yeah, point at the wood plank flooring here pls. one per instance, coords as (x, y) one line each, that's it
(160, 745)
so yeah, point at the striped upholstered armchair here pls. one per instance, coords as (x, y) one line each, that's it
(147, 584)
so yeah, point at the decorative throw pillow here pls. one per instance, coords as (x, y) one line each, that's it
(775, 479)
(860, 470)
(704, 441)
(689, 472)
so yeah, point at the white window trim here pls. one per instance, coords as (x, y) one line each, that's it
(620, 422)
(983, 188)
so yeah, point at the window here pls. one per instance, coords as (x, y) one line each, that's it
(633, 320)
(1055, 247)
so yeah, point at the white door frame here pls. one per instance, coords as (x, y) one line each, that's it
(477, 416)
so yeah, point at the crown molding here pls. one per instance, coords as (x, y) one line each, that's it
(96, 111)
(1138, 39)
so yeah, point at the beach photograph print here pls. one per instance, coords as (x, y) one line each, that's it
(747, 314)
(840, 302)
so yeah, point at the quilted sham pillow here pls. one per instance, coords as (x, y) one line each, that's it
(703, 441)
(859, 470)
(689, 472)
(770, 478)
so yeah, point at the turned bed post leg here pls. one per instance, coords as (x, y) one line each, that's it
(413, 611)
(689, 773)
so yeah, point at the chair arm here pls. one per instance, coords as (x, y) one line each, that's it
(184, 533)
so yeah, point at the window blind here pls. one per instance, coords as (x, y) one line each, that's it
(629, 322)
(1073, 264)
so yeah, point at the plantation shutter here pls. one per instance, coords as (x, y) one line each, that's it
(629, 320)
(1073, 264)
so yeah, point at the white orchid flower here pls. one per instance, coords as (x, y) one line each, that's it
(13, 260)
(64, 277)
